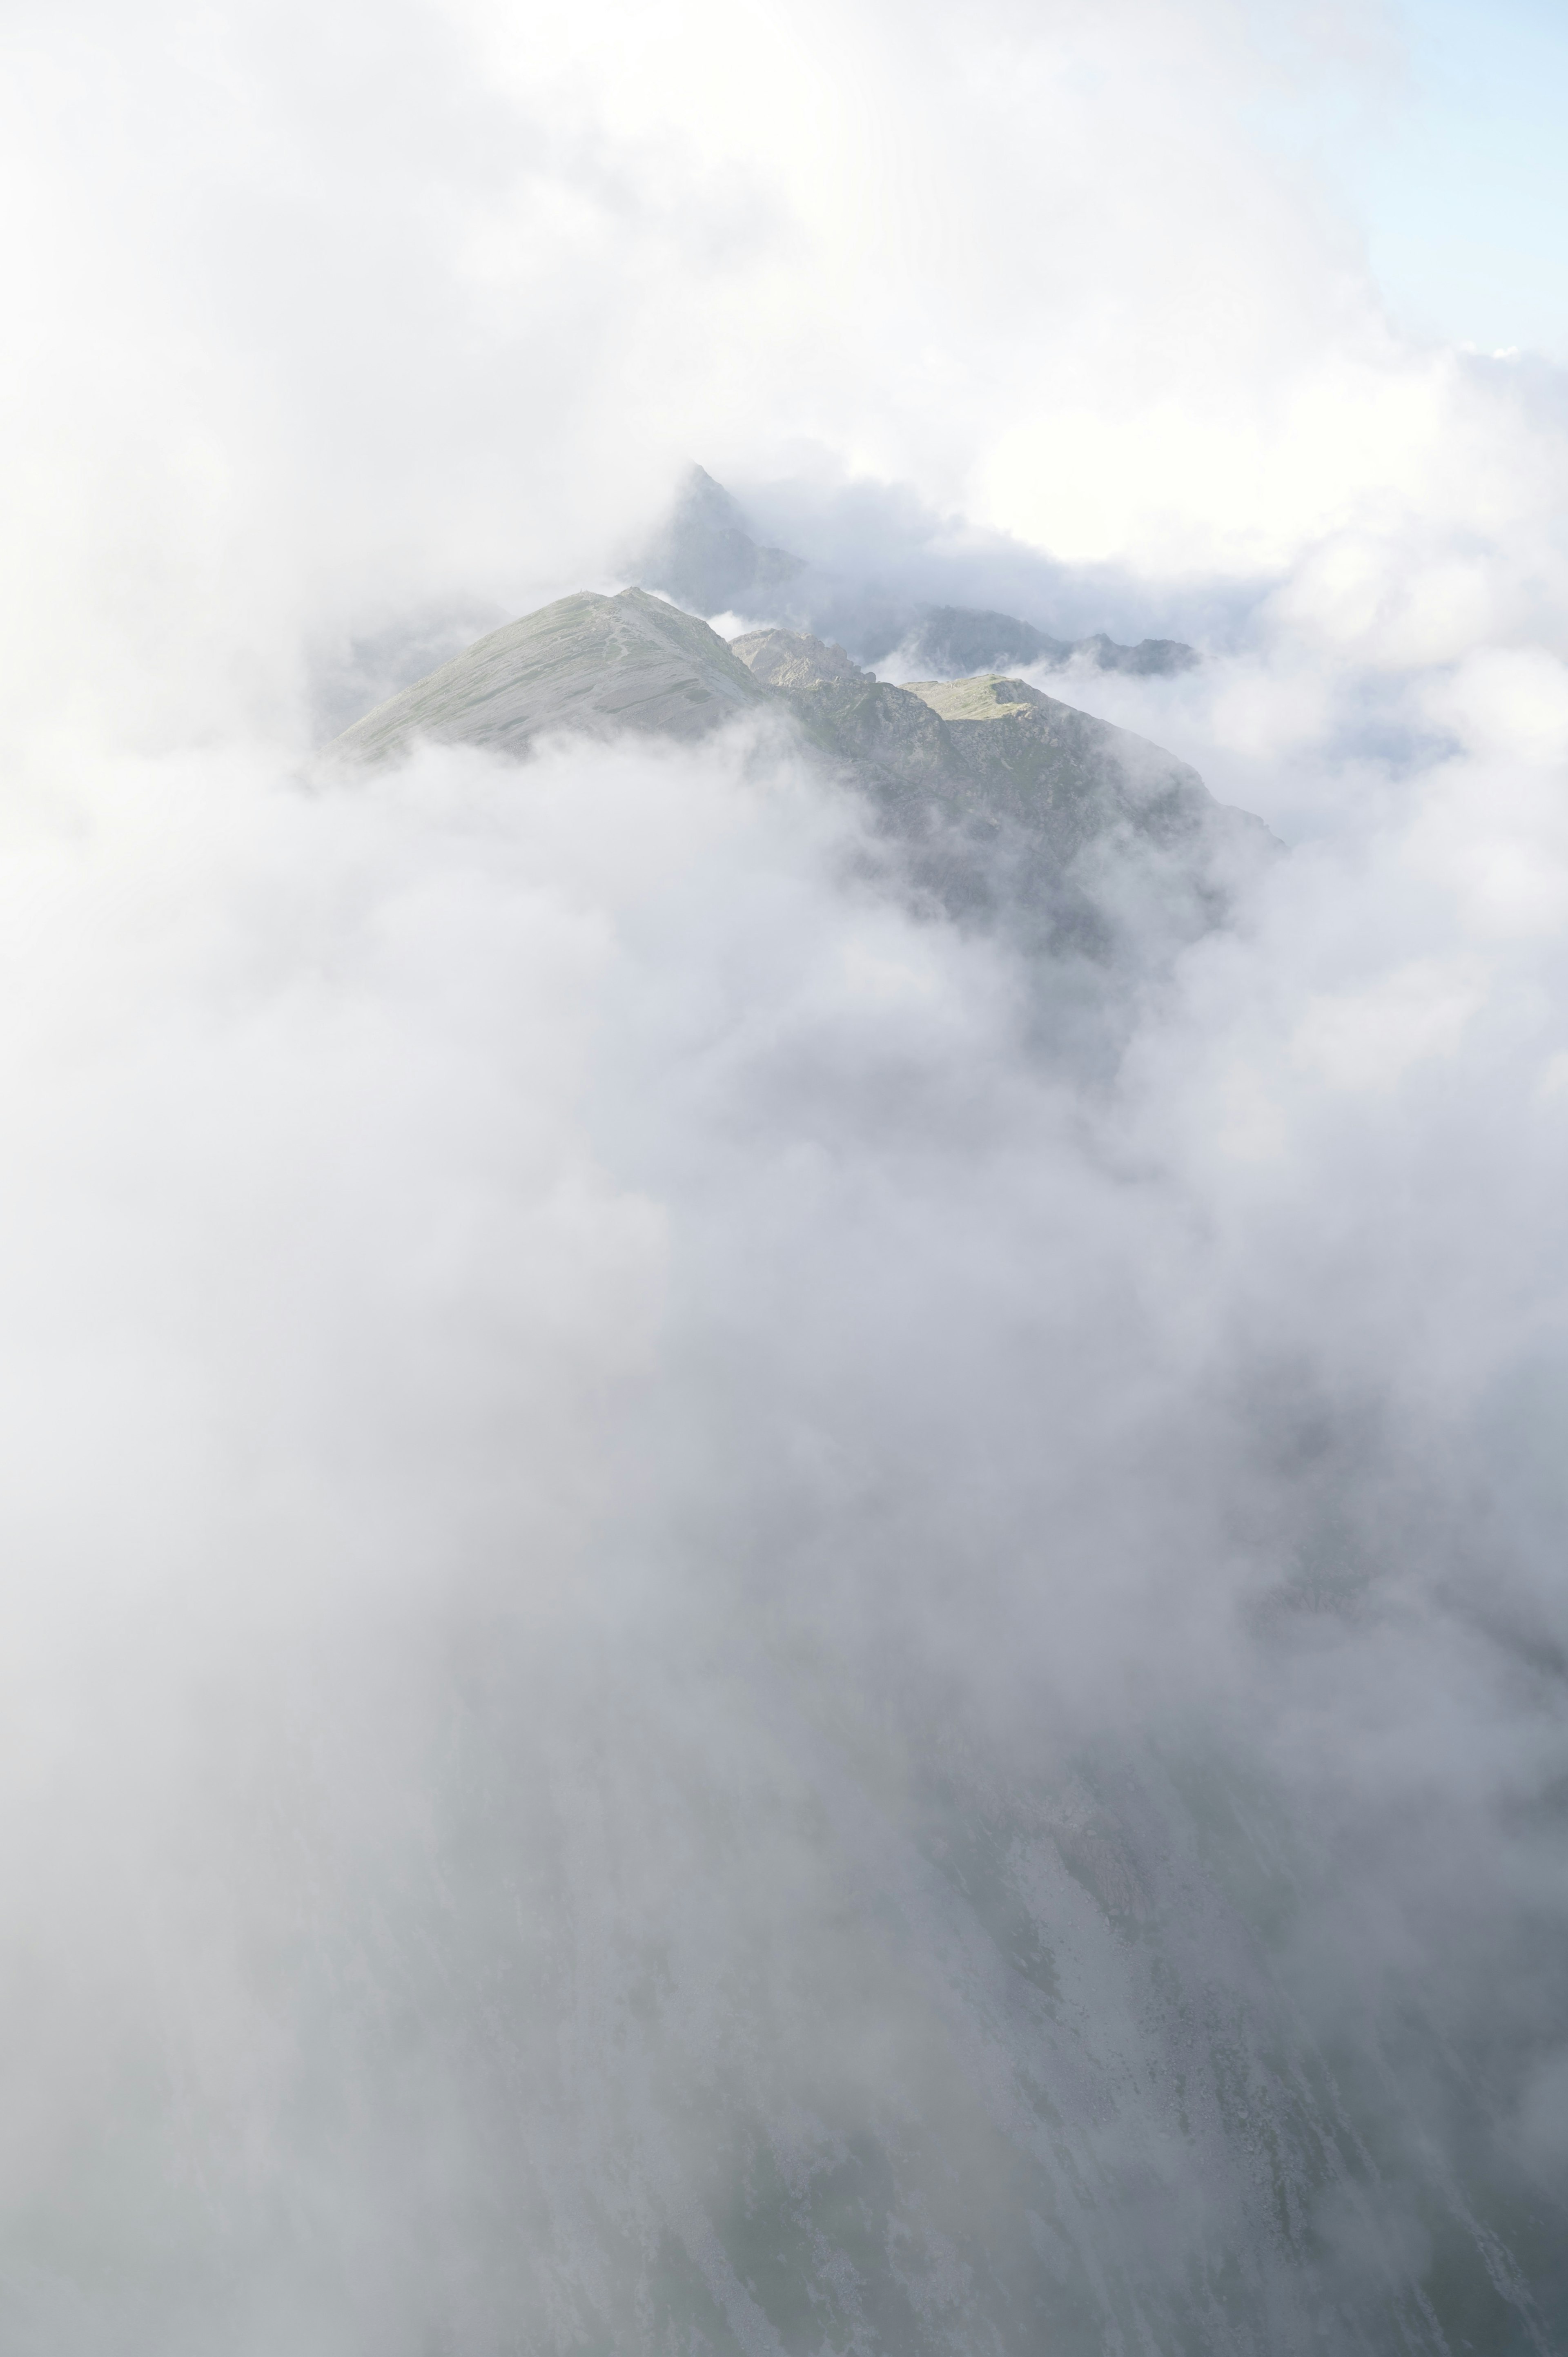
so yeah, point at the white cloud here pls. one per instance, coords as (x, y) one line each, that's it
(560, 1354)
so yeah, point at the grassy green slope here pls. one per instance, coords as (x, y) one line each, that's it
(586, 663)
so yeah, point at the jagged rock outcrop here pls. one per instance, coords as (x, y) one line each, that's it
(706, 558)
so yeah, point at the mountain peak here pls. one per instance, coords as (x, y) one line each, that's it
(706, 558)
(587, 663)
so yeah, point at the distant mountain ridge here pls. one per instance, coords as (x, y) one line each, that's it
(705, 558)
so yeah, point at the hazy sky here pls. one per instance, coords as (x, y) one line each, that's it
(1464, 184)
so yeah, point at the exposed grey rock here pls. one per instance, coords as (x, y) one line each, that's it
(706, 557)
(791, 659)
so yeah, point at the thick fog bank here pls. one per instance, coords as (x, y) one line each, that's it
(704, 1647)
(699, 1660)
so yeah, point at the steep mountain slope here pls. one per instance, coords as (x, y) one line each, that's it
(1065, 773)
(1002, 750)
(1021, 812)
(586, 663)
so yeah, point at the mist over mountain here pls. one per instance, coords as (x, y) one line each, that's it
(985, 2004)
(705, 558)
(783, 1492)
(993, 805)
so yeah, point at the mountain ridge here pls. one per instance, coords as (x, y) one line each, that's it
(999, 797)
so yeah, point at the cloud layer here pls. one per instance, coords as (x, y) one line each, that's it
(617, 1489)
